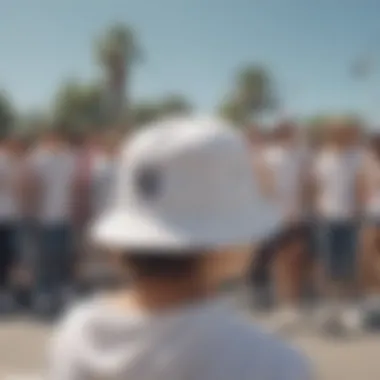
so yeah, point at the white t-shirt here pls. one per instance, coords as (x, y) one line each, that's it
(335, 174)
(102, 178)
(202, 342)
(56, 174)
(287, 166)
(8, 201)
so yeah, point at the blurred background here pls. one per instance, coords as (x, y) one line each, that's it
(300, 79)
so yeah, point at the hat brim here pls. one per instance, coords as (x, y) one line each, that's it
(130, 230)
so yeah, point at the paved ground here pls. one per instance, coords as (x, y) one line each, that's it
(23, 343)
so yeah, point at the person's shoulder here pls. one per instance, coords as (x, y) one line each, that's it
(262, 353)
(77, 318)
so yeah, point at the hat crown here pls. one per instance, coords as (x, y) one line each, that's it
(186, 169)
(182, 183)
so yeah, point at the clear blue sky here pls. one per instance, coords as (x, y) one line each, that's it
(194, 46)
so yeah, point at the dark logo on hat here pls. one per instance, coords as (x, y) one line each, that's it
(148, 182)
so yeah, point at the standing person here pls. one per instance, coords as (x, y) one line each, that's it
(86, 153)
(288, 158)
(337, 205)
(370, 234)
(8, 215)
(263, 251)
(82, 208)
(181, 211)
(54, 164)
(260, 144)
(103, 172)
(24, 191)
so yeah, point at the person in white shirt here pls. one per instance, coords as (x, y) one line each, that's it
(338, 207)
(289, 162)
(8, 217)
(260, 143)
(103, 172)
(23, 194)
(185, 209)
(54, 164)
(259, 277)
(370, 234)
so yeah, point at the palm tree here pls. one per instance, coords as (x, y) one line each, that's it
(144, 113)
(77, 106)
(233, 111)
(252, 94)
(149, 111)
(117, 50)
(255, 90)
(174, 105)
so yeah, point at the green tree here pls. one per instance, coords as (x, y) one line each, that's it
(173, 105)
(77, 107)
(7, 114)
(143, 113)
(252, 93)
(32, 123)
(233, 111)
(117, 51)
(149, 111)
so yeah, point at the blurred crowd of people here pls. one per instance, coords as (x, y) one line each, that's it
(328, 193)
(49, 190)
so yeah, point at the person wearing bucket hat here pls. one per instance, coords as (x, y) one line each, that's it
(184, 210)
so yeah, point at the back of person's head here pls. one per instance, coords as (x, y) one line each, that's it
(185, 196)
(52, 137)
(335, 132)
(343, 132)
(159, 265)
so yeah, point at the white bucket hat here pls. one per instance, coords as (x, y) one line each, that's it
(184, 184)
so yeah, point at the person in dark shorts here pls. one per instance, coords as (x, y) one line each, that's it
(259, 276)
(337, 204)
(54, 163)
(8, 217)
(266, 253)
(369, 259)
(287, 158)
